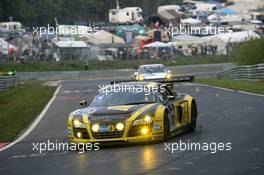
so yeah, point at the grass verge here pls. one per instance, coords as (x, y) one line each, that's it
(115, 64)
(241, 85)
(20, 106)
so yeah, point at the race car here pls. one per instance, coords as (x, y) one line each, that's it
(141, 112)
(152, 71)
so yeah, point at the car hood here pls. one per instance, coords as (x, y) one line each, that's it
(108, 113)
(154, 75)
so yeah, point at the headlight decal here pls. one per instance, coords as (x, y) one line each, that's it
(147, 120)
(135, 116)
(146, 117)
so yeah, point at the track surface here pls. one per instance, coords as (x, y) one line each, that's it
(224, 116)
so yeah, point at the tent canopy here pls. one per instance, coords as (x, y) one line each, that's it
(103, 37)
(156, 44)
(226, 11)
(238, 36)
(71, 44)
(191, 21)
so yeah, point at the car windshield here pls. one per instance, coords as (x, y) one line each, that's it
(122, 98)
(152, 69)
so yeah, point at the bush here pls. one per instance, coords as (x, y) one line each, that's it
(250, 52)
(229, 3)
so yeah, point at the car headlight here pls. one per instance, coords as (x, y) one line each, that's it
(168, 76)
(146, 120)
(78, 124)
(120, 126)
(95, 128)
(144, 131)
(141, 78)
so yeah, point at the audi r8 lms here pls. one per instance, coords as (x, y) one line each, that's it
(152, 71)
(152, 112)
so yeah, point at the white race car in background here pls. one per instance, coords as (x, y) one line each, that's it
(152, 71)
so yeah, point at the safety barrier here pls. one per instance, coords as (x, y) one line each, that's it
(254, 72)
(7, 82)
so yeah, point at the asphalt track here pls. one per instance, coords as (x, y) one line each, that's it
(224, 116)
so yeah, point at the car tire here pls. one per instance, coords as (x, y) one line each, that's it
(166, 128)
(193, 116)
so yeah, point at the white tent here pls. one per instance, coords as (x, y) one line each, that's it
(191, 21)
(235, 37)
(168, 11)
(156, 44)
(104, 37)
(246, 5)
(186, 38)
(71, 44)
(71, 50)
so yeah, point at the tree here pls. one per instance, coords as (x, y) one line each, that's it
(41, 13)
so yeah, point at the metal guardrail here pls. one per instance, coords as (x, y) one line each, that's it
(7, 82)
(254, 72)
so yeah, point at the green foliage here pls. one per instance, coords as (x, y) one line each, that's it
(248, 86)
(251, 52)
(38, 12)
(115, 64)
(229, 3)
(20, 106)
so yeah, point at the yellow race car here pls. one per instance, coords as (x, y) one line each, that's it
(129, 112)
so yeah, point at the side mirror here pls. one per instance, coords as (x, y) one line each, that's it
(169, 71)
(135, 75)
(83, 103)
(171, 97)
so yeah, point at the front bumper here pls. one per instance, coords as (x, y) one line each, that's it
(130, 134)
(123, 139)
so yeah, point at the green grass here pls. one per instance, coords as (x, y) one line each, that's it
(20, 106)
(248, 86)
(116, 64)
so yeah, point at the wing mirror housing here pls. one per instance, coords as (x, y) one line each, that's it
(169, 97)
(83, 103)
(135, 75)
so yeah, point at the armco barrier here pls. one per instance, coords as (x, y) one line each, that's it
(202, 70)
(254, 72)
(7, 82)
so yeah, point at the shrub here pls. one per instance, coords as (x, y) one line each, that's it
(250, 52)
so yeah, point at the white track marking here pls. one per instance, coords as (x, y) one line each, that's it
(35, 123)
(18, 156)
(60, 153)
(37, 155)
(231, 90)
(78, 91)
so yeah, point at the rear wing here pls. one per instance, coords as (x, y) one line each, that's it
(165, 81)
